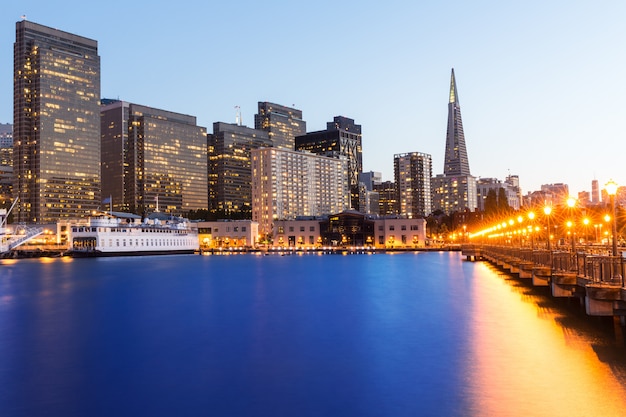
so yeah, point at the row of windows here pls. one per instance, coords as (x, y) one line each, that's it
(208, 230)
(392, 240)
(148, 242)
(281, 229)
(124, 230)
(402, 227)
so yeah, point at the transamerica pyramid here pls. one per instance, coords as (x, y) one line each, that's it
(456, 162)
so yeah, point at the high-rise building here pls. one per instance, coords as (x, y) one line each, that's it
(342, 137)
(387, 198)
(455, 189)
(282, 123)
(595, 192)
(287, 184)
(6, 164)
(369, 202)
(413, 172)
(56, 99)
(370, 178)
(230, 174)
(152, 156)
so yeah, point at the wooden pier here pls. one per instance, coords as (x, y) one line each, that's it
(596, 280)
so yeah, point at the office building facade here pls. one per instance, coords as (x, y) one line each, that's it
(152, 159)
(387, 198)
(288, 184)
(230, 173)
(56, 124)
(282, 124)
(413, 172)
(342, 137)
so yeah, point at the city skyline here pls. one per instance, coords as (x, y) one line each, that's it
(537, 100)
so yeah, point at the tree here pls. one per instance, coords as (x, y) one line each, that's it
(491, 203)
(503, 202)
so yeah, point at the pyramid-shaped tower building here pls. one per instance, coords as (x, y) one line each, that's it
(455, 189)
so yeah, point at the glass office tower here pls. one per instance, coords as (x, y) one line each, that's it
(342, 137)
(56, 118)
(151, 155)
(282, 123)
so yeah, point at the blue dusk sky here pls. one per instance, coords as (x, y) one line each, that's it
(540, 83)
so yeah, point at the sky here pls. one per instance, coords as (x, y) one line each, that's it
(539, 82)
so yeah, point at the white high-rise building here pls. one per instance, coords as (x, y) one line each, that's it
(288, 184)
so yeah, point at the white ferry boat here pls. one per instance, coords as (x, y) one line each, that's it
(118, 234)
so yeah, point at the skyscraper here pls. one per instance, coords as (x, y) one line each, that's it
(230, 175)
(282, 123)
(149, 153)
(455, 189)
(413, 172)
(387, 198)
(342, 137)
(56, 122)
(595, 192)
(456, 162)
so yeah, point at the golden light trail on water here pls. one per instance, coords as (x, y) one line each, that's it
(581, 385)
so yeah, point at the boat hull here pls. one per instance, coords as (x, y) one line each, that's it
(99, 254)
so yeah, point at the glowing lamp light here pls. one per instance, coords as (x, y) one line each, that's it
(611, 187)
(571, 202)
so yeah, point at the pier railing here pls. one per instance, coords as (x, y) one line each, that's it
(590, 265)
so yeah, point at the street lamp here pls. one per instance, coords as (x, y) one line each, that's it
(569, 225)
(571, 203)
(611, 189)
(547, 210)
(531, 216)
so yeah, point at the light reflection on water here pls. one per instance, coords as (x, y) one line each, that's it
(527, 360)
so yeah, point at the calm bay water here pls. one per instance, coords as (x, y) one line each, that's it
(423, 334)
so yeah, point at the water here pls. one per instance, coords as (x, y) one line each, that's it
(423, 334)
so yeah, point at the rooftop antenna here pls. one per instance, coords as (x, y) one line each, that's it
(238, 115)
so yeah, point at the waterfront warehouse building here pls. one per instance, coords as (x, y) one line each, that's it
(455, 189)
(226, 234)
(288, 184)
(298, 233)
(342, 137)
(56, 124)
(230, 174)
(351, 229)
(152, 156)
(413, 172)
(282, 123)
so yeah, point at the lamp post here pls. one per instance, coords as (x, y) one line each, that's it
(531, 216)
(547, 210)
(520, 219)
(611, 189)
(571, 203)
